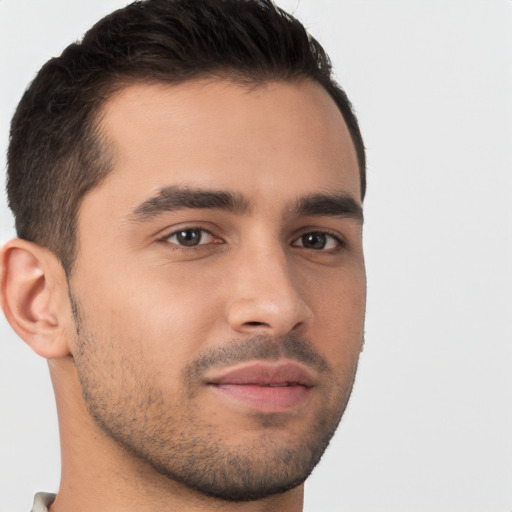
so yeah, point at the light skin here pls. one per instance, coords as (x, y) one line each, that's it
(222, 254)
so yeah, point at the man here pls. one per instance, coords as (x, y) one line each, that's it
(187, 183)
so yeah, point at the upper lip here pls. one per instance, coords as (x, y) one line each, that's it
(265, 373)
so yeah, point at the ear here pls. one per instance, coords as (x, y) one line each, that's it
(34, 297)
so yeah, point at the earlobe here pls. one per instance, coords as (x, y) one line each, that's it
(34, 297)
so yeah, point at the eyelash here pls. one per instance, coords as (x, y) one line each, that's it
(340, 242)
(180, 247)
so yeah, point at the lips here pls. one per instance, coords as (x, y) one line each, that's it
(265, 386)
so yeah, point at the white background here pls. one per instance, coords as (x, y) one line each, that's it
(429, 426)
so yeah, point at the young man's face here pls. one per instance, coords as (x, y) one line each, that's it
(220, 282)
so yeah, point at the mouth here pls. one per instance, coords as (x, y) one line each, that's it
(265, 386)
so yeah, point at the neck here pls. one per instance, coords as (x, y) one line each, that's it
(98, 474)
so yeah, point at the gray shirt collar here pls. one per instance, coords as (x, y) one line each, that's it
(42, 501)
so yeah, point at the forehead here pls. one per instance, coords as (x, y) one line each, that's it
(273, 140)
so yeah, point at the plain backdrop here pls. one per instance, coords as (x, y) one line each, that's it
(429, 426)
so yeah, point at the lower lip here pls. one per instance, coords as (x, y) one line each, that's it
(265, 398)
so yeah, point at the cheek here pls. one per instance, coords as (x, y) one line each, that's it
(167, 316)
(339, 316)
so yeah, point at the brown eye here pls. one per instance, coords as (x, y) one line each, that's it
(190, 237)
(317, 240)
(314, 240)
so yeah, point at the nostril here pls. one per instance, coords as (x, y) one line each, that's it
(255, 324)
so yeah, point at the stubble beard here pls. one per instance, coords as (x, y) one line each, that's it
(169, 433)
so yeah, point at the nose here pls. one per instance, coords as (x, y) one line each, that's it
(266, 297)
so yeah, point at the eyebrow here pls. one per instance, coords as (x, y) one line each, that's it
(333, 205)
(175, 198)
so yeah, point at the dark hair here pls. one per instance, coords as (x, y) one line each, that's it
(56, 153)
